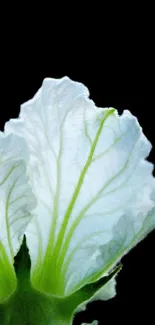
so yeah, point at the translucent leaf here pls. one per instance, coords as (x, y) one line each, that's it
(88, 171)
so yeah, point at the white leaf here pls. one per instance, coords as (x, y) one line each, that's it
(88, 170)
(126, 234)
(16, 201)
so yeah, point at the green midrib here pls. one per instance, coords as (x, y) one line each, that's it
(50, 261)
(78, 187)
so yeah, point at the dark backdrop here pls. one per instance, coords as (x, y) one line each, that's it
(136, 283)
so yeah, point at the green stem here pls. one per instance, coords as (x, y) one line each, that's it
(28, 306)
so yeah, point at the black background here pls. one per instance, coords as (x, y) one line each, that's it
(136, 282)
